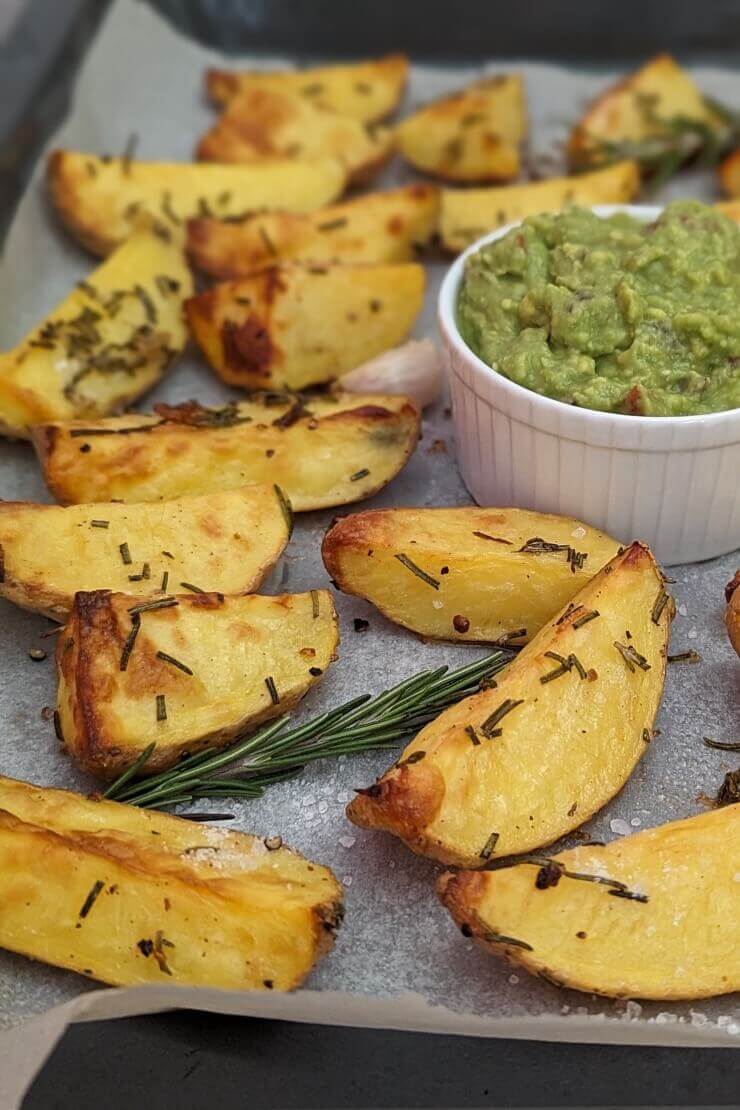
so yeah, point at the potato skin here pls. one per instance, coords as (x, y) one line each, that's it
(487, 588)
(732, 613)
(579, 936)
(565, 746)
(253, 331)
(345, 447)
(130, 896)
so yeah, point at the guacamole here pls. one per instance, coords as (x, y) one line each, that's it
(612, 314)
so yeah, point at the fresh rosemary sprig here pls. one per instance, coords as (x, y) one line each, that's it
(277, 752)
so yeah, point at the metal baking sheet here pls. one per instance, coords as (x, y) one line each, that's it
(140, 76)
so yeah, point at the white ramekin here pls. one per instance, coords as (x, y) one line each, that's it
(671, 481)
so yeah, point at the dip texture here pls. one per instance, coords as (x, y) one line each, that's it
(612, 314)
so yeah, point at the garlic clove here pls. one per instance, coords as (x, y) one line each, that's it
(413, 370)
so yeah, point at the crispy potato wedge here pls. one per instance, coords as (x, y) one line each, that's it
(221, 541)
(676, 940)
(208, 656)
(99, 199)
(636, 109)
(367, 91)
(729, 176)
(473, 135)
(732, 612)
(515, 767)
(467, 214)
(292, 326)
(470, 575)
(130, 896)
(325, 451)
(377, 227)
(108, 342)
(261, 124)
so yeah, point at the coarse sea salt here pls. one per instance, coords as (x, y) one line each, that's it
(618, 825)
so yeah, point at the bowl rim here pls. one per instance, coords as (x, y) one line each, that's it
(446, 315)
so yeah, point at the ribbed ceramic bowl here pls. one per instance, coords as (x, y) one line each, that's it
(671, 481)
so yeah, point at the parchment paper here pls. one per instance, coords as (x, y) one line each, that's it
(399, 962)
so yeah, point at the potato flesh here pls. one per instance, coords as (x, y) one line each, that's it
(100, 200)
(487, 588)
(367, 91)
(468, 214)
(224, 542)
(260, 124)
(210, 907)
(729, 179)
(294, 326)
(319, 461)
(562, 753)
(378, 227)
(39, 383)
(473, 135)
(231, 644)
(680, 944)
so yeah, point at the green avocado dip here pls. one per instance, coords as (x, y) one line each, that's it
(612, 314)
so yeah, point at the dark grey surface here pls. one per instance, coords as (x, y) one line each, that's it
(196, 1060)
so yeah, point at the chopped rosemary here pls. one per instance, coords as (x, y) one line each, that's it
(332, 225)
(404, 559)
(272, 690)
(496, 539)
(359, 474)
(100, 524)
(721, 745)
(551, 871)
(125, 554)
(474, 737)
(488, 726)
(128, 647)
(660, 603)
(193, 589)
(174, 662)
(538, 546)
(315, 610)
(589, 615)
(489, 845)
(685, 657)
(58, 726)
(150, 309)
(165, 581)
(128, 153)
(267, 241)
(415, 757)
(158, 603)
(286, 509)
(161, 707)
(632, 656)
(92, 897)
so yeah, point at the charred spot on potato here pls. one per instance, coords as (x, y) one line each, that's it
(247, 346)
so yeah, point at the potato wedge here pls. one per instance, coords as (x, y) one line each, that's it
(326, 451)
(130, 896)
(467, 574)
(473, 135)
(732, 612)
(676, 940)
(108, 342)
(377, 227)
(293, 326)
(209, 657)
(261, 124)
(367, 91)
(729, 176)
(221, 541)
(99, 199)
(731, 208)
(637, 108)
(467, 214)
(515, 767)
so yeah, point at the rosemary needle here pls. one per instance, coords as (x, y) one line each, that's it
(277, 752)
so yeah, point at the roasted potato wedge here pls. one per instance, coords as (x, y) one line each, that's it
(732, 613)
(473, 135)
(465, 574)
(188, 676)
(731, 208)
(221, 541)
(367, 91)
(130, 896)
(100, 199)
(327, 450)
(108, 342)
(640, 107)
(260, 124)
(729, 176)
(377, 227)
(292, 326)
(467, 214)
(657, 920)
(515, 767)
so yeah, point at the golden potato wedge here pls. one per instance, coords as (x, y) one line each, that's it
(731, 208)
(368, 91)
(292, 326)
(108, 342)
(99, 199)
(324, 451)
(467, 214)
(729, 176)
(465, 574)
(261, 124)
(658, 918)
(473, 135)
(188, 676)
(221, 541)
(638, 108)
(130, 896)
(377, 227)
(732, 612)
(515, 767)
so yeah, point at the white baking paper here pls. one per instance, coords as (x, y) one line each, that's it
(399, 962)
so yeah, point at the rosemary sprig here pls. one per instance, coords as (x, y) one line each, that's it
(277, 752)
